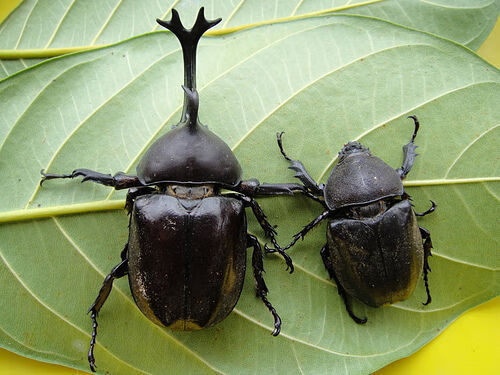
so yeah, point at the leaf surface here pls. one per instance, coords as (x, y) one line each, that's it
(359, 80)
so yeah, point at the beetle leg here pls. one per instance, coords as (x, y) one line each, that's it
(345, 297)
(260, 284)
(426, 236)
(135, 192)
(253, 188)
(302, 174)
(118, 271)
(307, 193)
(266, 226)
(270, 232)
(433, 207)
(409, 153)
(303, 232)
(118, 181)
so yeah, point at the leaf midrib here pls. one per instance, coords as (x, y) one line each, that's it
(118, 204)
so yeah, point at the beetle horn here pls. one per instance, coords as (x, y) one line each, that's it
(192, 104)
(189, 42)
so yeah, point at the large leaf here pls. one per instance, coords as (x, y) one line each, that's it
(324, 81)
(42, 24)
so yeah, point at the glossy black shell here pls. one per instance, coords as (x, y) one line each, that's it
(378, 260)
(190, 156)
(183, 273)
(190, 153)
(361, 178)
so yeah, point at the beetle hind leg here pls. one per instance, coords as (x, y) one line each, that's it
(260, 284)
(118, 271)
(341, 290)
(426, 236)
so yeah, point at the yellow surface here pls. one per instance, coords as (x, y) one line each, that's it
(470, 345)
(7, 6)
(490, 49)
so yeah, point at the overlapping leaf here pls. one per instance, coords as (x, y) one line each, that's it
(359, 79)
(41, 24)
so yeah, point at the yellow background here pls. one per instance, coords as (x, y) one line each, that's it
(470, 345)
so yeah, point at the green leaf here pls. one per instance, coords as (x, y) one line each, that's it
(48, 24)
(325, 81)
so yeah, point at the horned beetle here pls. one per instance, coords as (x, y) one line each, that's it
(186, 252)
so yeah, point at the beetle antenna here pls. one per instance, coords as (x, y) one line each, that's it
(189, 42)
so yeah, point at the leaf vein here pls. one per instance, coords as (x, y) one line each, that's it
(38, 95)
(24, 25)
(156, 26)
(55, 354)
(310, 84)
(47, 307)
(468, 147)
(58, 26)
(106, 22)
(379, 125)
(235, 10)
(108, 100)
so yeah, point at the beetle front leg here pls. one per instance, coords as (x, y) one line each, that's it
(426, 236)
(302, 174)
(409, 153)
(430, 210)
(260, 284)
(118, 271)
(134, 193)
(345, 297)
(118, 181)
(253, 188)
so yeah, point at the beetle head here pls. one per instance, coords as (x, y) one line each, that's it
(190, 153)
(352, 148)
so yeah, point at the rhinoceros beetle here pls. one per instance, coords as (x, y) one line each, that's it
(375, 250)
(186, 252)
